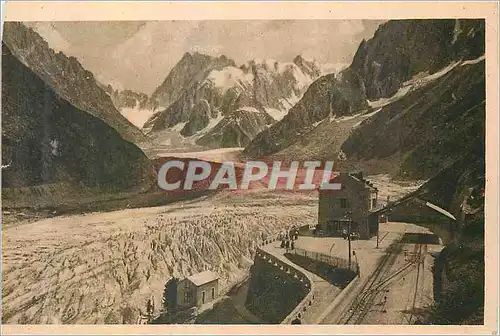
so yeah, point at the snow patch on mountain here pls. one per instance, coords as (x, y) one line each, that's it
(249, 109)
(317, 123)
(211, 124)
(275, 113)
(229, 77)
(136, 115)
(179, 126)
(345, 118)
(473, 61)
(303, 79)
(417, 81)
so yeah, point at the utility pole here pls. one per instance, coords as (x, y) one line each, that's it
(378, 229)
(331, 248)
(357, 263)
(349, 240)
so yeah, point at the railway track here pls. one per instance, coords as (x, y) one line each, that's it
(358, 306)
(417, 281)
(376, 284)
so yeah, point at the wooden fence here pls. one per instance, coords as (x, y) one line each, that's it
(328, 259)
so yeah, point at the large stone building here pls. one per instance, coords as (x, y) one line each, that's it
(197, 289)
(355, 202)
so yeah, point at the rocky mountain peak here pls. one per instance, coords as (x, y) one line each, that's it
(66, 76)
(401, 49)
(192, 67)
(224, 105)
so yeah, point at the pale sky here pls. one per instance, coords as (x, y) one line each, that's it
(139, 55)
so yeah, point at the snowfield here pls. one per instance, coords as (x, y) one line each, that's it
(275, 113)
(229, 77)
(136, 115)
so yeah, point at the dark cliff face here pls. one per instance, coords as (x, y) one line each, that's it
(399, 50)
(428, 129)
(67, 77)
(45, 139)
(459, 276)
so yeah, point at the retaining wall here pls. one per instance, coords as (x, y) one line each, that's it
(294, 276)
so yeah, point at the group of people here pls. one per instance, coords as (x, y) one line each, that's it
(288, 238)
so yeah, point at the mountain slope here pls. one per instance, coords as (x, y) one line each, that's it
(67, 76)
(399, 51)
(241, 102)
(459, 277)
(46, 140)
(427, 130)
(327, 96)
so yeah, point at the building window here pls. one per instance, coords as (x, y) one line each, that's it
(330, 226)
(213, 293)
(187, 296)
(343, 203)
(374, 202)
(203, 297)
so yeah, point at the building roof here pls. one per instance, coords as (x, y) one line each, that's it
(413, 197)
(376, 209)
(358, 177)
(202, 278)
(440, 210)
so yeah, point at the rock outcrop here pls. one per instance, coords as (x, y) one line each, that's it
(67, 77)
(127, 98)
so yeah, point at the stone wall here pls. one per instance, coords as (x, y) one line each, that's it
(278, 292)
(337, 276)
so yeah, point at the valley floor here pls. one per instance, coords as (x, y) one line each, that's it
(103, 267)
